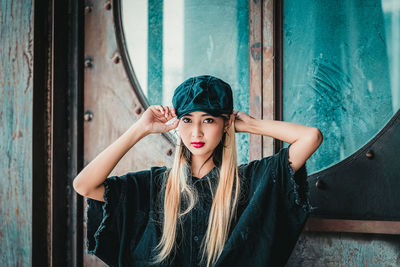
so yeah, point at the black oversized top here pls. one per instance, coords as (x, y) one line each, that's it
(273, 208)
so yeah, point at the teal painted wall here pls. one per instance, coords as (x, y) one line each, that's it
(217, 43)
(16, 88)
(340, 66)
(340, 69)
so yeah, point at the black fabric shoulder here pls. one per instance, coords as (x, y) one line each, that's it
(127, 200)
(294, 185)
(277, 168)
(277, 210)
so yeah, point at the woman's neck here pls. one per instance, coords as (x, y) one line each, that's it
(198, 169)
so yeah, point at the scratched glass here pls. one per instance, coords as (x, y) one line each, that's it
(170, 41)
(341, 71)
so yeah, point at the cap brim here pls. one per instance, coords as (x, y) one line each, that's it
(214, 113)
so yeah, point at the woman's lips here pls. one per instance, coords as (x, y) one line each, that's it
(197, 144)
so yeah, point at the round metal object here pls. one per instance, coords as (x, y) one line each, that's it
(138, 110)
(107, 5)
(88, 9)
(88, 63)
(320, 184)
(169, 152)
(116, 59)
(370, 154)
(88, 116)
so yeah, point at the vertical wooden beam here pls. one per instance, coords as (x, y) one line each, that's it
(268, 70)
(255, 73)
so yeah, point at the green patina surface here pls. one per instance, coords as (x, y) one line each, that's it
(16, 84)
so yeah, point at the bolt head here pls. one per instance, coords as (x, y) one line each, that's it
(107, 5)
(169, 152)
(320, 184)
(88, 116)
(88, 9)
(369, 154)
(88, 63)
(116, 59)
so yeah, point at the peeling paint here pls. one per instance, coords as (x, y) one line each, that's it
(16, 82)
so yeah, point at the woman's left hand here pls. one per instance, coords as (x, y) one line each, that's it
(242, 121)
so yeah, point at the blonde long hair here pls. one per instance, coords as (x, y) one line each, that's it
(224, 203)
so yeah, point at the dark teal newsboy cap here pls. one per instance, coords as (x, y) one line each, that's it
(203, 93)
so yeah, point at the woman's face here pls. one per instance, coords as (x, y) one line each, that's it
(201, 132)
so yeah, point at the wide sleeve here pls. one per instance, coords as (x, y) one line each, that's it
(293, 186)
(290, 193)
(106, 226)
(275, 214)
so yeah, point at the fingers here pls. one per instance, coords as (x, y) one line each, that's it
(160, 108)
(168, 112)
(173, 111)
(172, 125)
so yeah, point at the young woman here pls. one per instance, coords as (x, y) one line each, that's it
(205, 210)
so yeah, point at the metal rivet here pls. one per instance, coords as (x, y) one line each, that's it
(369, 154)
(88, 116)
(116, 59)
(107, 5)
(88, 63)
(138, 110)
(320, 184)
(88, 9)
(169, 152)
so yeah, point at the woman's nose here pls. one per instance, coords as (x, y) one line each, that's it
(197, 131)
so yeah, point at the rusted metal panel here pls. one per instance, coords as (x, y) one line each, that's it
(255, 73)
(109, 95)
(365, 185)
(345, 249)
(16, 93)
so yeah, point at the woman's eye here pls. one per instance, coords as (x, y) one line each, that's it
(208, 120)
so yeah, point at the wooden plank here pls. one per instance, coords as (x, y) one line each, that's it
(16, 94)
(354, 226)
(268, 100)
(255, 73)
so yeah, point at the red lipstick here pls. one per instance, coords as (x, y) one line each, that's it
(197, 144)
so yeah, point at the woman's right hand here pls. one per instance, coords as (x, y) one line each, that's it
(154, 119)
